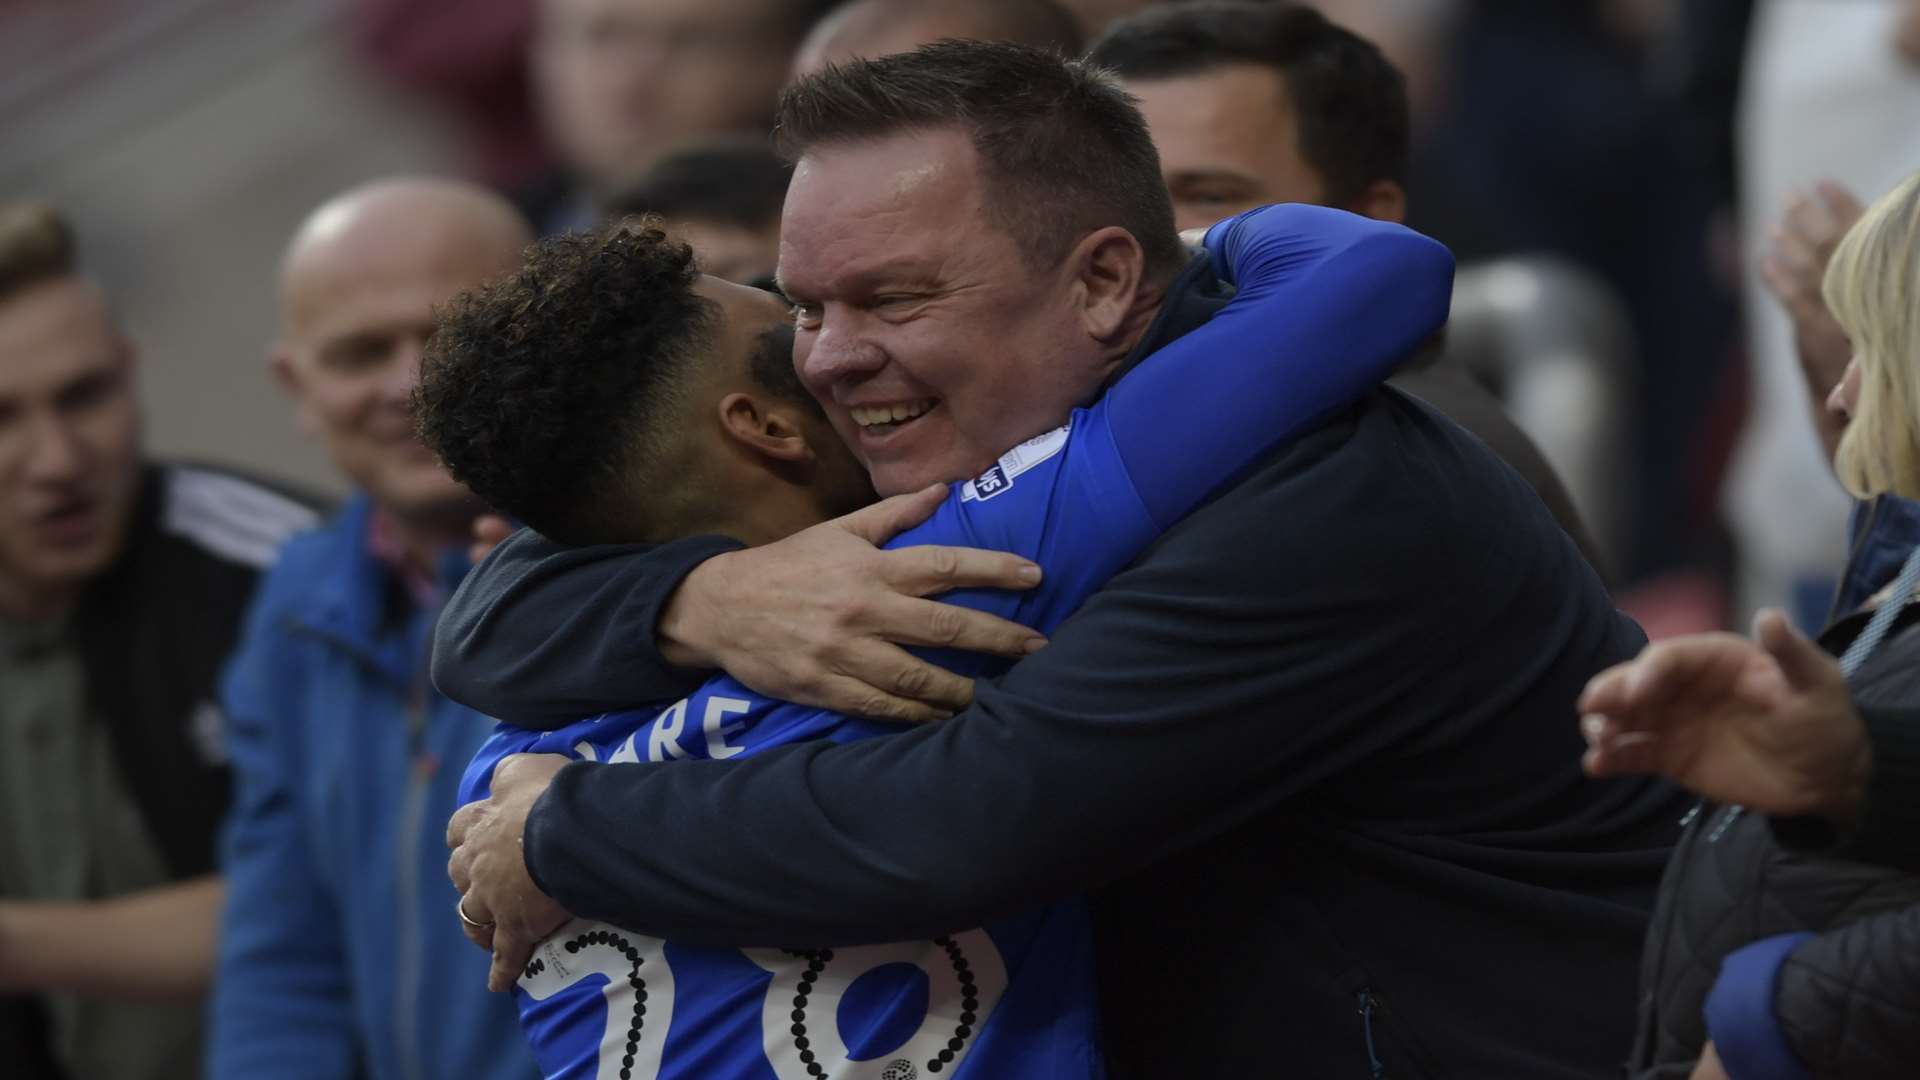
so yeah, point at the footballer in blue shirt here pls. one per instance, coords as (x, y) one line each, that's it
(1327, 305)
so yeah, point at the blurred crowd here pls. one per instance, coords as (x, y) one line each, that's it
(234, 722)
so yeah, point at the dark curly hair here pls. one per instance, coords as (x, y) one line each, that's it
(549, 390)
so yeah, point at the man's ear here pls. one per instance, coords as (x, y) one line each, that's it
(280, 360)
(1109, 265)
(1383, 200)
(765, 427)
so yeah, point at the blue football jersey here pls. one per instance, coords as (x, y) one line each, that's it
(1328, 303)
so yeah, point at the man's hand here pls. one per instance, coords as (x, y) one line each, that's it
(1709, 1067)
(819, 618)
(1794, 268)
(489, 868)
(1766, 723)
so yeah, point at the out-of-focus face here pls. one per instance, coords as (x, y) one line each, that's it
(932, 344)
(732, 252)
(619, 81)
(358, 315)
(69, 437)
(1228, 142)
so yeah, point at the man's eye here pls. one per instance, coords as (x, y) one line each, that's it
(806, 316)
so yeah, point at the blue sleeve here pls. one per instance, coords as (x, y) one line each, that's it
(1740, 1016)
(1329, 304)
(281, 997)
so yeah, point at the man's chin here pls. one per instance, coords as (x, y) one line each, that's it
(905, 478)
(52, 569)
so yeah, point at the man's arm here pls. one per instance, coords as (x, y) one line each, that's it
(156, 945)
(1285, 637)
(282, 1002)
(540, 632)
(540, 635)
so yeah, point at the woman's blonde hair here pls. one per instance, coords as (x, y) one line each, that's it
(1873, 289)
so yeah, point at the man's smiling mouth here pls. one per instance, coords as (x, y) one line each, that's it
(882, 419)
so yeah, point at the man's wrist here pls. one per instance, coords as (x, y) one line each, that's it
(678, 633)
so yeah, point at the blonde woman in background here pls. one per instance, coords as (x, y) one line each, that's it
(1786, 942)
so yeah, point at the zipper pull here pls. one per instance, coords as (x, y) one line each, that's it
(1375, 1067)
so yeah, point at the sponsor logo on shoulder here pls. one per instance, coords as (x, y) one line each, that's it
(990, 483)
(1000, 476)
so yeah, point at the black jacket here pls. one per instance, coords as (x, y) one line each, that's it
(153, 633)
(1848, 999)
(1314, 756)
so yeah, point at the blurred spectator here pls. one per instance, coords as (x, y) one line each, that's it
(1828, 94)
(122, 586)
(1538, 131)
(1784, 946)
(863, 28)
(470, 56)
(1252, 103)
(339, 954)
(1096, 15)
(1882, 530)
(723, 197)
(620, 82)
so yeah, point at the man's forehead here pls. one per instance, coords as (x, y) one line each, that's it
(53, 332)
(889, 171)
(880, 208)
(57, 310)
(388, 284)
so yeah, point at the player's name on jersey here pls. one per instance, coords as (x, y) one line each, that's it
(669, 736)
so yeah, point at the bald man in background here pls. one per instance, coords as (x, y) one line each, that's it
(864, 28)
(338, 955)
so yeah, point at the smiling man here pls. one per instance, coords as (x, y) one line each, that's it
(1308, 755)
(122, 587)
(333, 959)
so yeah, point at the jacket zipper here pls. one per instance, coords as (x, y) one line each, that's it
(1368, 1003)
(1376, 1016)
(420, 770)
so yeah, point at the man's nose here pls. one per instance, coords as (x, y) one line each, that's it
(56, 455)
(838, 350)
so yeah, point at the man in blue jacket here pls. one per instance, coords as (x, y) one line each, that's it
(338, 955)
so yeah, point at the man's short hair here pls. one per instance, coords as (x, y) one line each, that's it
(1063, 150)
(36, 245)
(1350, 101)
(553, 393)
(733, 181)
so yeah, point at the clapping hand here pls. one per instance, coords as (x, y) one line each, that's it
(1767, 722)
